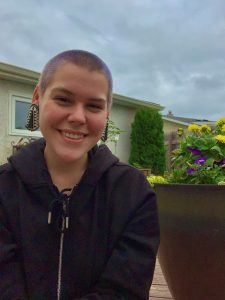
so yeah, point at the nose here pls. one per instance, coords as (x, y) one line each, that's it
(77, 114)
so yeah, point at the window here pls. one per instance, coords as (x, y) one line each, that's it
(18, 108)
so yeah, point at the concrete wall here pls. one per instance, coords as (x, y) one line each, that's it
(169, 126)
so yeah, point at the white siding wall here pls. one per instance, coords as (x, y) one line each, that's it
(123, 117)
(5, 139)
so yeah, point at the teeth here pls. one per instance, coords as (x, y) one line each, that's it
(73, 136)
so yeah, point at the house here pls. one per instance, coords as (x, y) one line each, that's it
(16, 87)
(171, 123)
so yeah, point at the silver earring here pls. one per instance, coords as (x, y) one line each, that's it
(32, 123)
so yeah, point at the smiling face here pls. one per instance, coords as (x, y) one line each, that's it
(72, 112)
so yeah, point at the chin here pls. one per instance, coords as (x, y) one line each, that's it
(70, 157)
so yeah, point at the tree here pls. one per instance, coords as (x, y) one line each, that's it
(147, 141)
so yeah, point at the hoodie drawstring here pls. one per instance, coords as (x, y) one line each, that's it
(59, 211)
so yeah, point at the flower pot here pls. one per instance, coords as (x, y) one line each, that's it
(192, 247)
(146, 172)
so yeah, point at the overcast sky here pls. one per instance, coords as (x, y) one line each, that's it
(171, 52)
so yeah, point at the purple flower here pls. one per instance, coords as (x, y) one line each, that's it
(190, 171)
(194, 151)
(200, 160)
(220, 163)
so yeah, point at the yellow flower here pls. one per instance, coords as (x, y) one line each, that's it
(223, 128)
(221, 121)
(180, 131)
(152, 179)
(205, 128)
(220, 138)
(194, 128)
(221, 183)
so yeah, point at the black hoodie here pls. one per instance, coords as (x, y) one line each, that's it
(108, 250)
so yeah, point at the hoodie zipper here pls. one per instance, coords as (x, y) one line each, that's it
(64, 227)
(59, 283)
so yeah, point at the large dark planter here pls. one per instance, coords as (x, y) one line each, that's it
(192, 248)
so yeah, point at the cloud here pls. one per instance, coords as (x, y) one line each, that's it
(166, 51)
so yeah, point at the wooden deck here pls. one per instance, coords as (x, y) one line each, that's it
(159, 289)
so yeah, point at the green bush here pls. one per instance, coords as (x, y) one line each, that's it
(147, 141)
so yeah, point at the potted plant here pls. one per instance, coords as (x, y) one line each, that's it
(191, 207)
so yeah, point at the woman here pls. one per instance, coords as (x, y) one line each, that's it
(75, 222)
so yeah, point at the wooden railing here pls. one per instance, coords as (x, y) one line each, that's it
(21, 143)
(171, 143)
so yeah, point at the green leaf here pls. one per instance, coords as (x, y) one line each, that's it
(217, 150)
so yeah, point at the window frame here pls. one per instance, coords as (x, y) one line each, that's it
(23, 97)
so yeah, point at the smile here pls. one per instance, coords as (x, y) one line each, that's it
(73, 136)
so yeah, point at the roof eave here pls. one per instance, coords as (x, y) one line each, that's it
(14, 73)
(132, 102)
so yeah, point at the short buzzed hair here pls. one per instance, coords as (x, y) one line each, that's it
(80, 58)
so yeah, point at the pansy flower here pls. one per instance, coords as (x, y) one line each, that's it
(190, 171)
(200, 160)
(221, 162)
(194, 151)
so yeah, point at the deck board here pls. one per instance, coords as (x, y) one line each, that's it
(159, 289)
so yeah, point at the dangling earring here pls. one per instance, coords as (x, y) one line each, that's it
(105, 132)
(32, 123)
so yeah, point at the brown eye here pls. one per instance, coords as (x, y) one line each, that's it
(62, 100)
(95, 107)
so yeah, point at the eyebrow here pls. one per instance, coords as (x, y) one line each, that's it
(62, 90)
(69, 93)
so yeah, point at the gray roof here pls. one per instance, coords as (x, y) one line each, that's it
(185, 120)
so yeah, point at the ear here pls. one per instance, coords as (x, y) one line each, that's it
(36, 95)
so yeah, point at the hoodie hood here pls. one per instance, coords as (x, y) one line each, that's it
(29, 164)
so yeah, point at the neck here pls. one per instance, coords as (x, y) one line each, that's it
(66, 174)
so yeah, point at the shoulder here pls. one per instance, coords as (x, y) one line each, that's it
(7, 177)
(127, 178)
(5, 169)
(123, 169)
(127, 189)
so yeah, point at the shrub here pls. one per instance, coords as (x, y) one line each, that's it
(147, 141)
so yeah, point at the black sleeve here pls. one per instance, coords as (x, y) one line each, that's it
(129, 271)
(12, 285)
